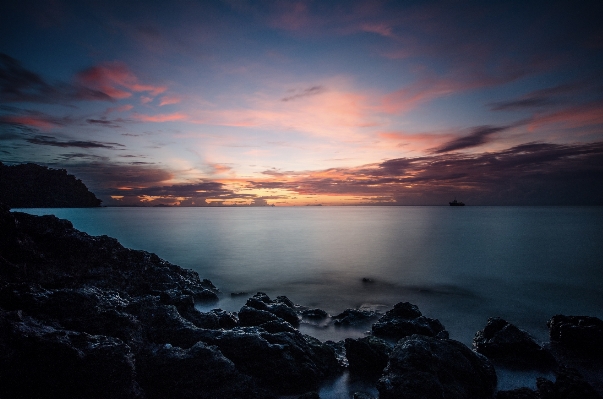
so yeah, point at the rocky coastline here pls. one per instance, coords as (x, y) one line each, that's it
(84, 317)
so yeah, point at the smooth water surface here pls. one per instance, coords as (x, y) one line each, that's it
(460, 265)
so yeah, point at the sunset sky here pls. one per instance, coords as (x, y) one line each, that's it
(308, 102)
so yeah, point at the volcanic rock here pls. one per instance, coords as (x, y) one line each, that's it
(367, 356)
(505, 343)
(582, 333)
(404, 320)
(422, 367)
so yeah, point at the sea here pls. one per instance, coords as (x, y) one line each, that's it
(460, 265)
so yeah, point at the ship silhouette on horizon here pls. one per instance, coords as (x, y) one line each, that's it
(456, 203)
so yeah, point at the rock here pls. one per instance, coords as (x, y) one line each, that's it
(288, 362)
(362, 395)
(519, 393)
(339, 349)
(84, 317)
(41, 361)
(354, 317)
(85, 309)
(367, 356)
(314, 314)
(422, 367)
(249, 316)
(162, 324)
(505, 343)
(281, 307)
(582, 333)
(404, 320)
(55, 255)
(571, 385)
(310, 395)
(200, 371)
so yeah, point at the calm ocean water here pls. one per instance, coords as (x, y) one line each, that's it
(460, 265)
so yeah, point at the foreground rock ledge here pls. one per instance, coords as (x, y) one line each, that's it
(84, 317)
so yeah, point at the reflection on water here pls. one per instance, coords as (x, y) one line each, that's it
(460, 265)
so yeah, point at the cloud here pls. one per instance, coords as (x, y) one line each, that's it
(479, 136)
(36, 119)
(52, 141)
(543, 97)
(106, 122)
(527, 174)
(176, 116)
(170, 99)
(17, 84)
(311, 91)
(216, 168)
(115, 80)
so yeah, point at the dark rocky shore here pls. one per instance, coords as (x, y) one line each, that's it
(84, 317)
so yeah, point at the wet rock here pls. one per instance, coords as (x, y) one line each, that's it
(249, 316)
(314, 314)
(367, 356)
(41, 361)
(582, 333)
(310, 395)
(281, 307)
(404, 320)
(200, 371)
(354, 317)
(288, 362)
(569, 384)
(423, 367)
(505, 343)
(55, 255)
(83, 317)
(162, 324)
(86, 309)
(519, 393)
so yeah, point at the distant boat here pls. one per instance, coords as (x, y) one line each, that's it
(456, 203)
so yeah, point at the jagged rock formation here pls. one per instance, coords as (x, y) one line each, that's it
(34, 186)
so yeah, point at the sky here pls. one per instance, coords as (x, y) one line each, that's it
(294, 103)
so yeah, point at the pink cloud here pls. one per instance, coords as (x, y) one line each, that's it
(121, 108)
(169, 99)
(116, 80)
(572, 117)
(177, 116)
(33, 121)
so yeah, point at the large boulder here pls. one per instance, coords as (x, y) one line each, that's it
(569, 384)
(281, 307)
(287, 362)
(505, 343)
(354, 318)
(422, 367)
(367, 356)
(200, 372)
(582, 333)
(404, 320)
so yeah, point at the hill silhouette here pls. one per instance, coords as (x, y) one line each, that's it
(34, 186)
